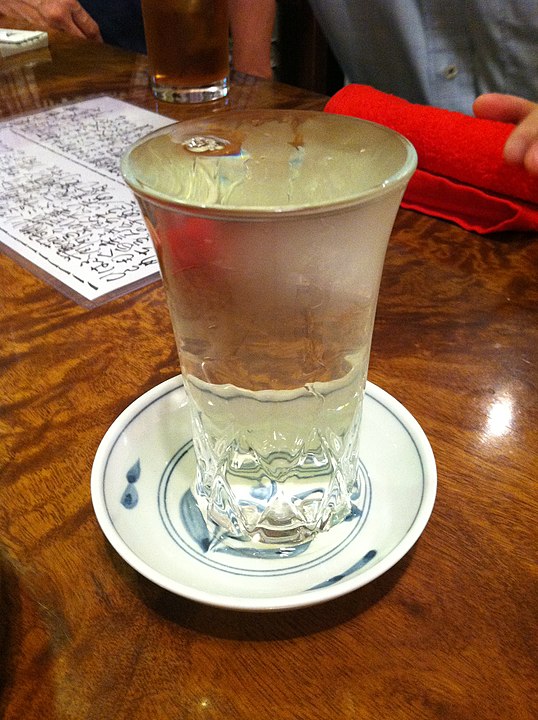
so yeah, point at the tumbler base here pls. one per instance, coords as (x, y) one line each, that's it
(207, 93)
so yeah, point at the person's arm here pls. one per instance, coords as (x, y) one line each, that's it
(251, 25)
(67, 15)
(522, 146)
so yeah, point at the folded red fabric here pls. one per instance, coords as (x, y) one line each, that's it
(461, 175)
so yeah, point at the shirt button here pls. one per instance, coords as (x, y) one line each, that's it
(450, 72)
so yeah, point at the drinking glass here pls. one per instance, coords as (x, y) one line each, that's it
(271, 228)
(188, 49)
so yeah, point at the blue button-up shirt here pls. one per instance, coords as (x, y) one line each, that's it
(436, 52)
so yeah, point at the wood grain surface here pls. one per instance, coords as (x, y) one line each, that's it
(449, 632)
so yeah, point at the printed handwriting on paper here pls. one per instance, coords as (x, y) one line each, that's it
(78, 225)
(63, 204)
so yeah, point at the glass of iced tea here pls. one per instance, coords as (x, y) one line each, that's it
(271, 229)
(188, 49)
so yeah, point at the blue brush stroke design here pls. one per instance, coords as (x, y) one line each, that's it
(370, 555)
(134, 472)
(129, 499)
(355, 513)
(194, 522)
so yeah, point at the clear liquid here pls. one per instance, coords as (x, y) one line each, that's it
(273, 330)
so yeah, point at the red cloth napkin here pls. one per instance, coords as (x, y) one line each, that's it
(461, 175)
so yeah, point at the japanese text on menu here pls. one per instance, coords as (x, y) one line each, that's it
(63, 204)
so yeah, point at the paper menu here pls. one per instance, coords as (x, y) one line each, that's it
(64, 207)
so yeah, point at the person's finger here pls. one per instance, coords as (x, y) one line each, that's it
(86, 24)
(522, 145)
(521, 148)
(516, 148)
(505, 108)
(59, 14)
(531, 159)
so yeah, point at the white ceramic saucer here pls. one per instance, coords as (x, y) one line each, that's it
(140, 484)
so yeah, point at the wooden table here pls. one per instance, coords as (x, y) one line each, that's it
(449, 632)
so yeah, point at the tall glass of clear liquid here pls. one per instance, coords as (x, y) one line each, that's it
(271, 228)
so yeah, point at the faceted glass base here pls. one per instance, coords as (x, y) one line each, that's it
(207, 93)
(275, 467)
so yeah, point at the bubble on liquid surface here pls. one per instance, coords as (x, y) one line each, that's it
(204, 143)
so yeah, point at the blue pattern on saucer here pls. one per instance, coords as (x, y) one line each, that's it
(129, 499)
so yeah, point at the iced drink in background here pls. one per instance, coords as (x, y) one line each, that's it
(188, 48)
(271, 229)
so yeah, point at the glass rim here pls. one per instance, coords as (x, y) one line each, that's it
(398, 179)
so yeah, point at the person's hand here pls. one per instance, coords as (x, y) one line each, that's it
(67, 15)
(521, 148)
